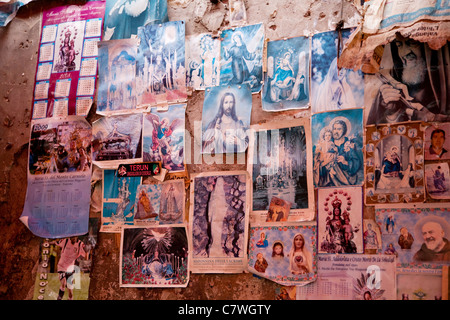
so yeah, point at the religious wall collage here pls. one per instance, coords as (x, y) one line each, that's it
(295, 216)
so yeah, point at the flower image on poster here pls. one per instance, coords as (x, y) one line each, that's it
(437, 146)
(226, 119)
(124, 17)
(66, 263)
(241, 56)
(118, 200)
(340, 220)
(58, 178)
(160, 64)
(117, 139)
(337, 139)
(202, 61)
(437, 177)
(163, 137)
(154, 257)
(411, 85)
(286, 83)
(116, 74)
(280, 165)
(290, 256)
(219, 217)
(394, 163)
(417, 236)
(333, 89)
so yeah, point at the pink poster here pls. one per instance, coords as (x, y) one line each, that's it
(67, 60)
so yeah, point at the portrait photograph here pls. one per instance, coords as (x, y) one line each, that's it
(437, 141)
(395, 167)
(337, 148)
(286, 83)
(154, 257)
(417, 236)
(289, 258)
(226, 119)
(333, 88)
(241, 56)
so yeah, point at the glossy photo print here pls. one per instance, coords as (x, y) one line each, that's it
(394, 163)
(241, 56)
(286, 83)
(160, 66)
(337, 148)
(164, 137)
(226, 119)
(154, 257)
(333, 89)
(437, 141)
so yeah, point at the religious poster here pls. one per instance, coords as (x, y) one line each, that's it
(117, 76)
(160, 65)
(352, 277)
(337, 139)
(417, 236)
(219, 218)
(340, 220)
(117, 139)
(59, 177)
(202, 61)
(118, 200)
(278, 210)
(333, 88)
(371, 235)
(427, 285)
(66, 72)
(280, 165)
(65, 266)
(163, 137)
(241, 56)
(123, 18)
(286, 83)
(411, 85)
(394, 163)
(154, 257)
(226, 119)
(284, 254)
(437, 177)
(437, 145)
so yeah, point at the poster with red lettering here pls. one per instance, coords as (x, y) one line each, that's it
(67, 60)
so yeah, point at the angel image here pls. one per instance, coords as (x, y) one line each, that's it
(162, 138)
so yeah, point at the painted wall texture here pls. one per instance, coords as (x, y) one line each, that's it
(18, 56)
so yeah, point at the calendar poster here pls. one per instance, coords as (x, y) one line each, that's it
(67, 60)
(59, 178)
